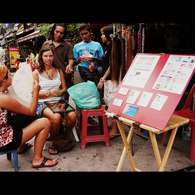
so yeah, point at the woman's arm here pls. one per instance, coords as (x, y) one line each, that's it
(42, 94)
(9, 103)
(52, 92)
(101, 83)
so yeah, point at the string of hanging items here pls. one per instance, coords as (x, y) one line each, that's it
(126, 42)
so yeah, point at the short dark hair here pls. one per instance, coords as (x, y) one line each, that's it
(54, 27)
(84, 26)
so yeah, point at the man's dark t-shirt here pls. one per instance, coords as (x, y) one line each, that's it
(62, 53)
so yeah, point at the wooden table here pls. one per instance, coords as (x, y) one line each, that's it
(174, 123)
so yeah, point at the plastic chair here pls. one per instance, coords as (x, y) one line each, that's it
(187, 113)
(102, 126)
(15, 155)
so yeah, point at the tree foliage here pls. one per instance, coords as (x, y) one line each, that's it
(72, 32)
(45, 29)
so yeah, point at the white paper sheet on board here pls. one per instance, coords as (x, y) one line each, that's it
(175, 74)
(117, 102)
(141, 70)
(159, 101)
(133, 96)
(144, 99)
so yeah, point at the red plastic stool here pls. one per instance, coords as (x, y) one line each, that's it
(187, 113)
(102, 127)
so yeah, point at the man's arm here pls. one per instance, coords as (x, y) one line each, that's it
(80, 59)
(69, 68)
(94, 59)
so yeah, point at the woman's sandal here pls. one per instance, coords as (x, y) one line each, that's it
(44, 165)
(52, 148)
(28, 146)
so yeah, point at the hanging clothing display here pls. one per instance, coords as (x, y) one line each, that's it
(127, 41)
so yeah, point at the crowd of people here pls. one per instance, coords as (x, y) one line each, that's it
(52, 78)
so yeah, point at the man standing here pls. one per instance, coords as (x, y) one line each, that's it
(90, 47)
(95, 52)
(63, 55)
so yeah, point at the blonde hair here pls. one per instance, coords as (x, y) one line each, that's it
(3, 72)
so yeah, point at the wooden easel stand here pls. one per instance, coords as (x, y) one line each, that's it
(173, 125)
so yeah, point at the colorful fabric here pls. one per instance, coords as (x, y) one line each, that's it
(6, 131)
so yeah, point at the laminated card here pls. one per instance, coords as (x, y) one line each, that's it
(152, 88)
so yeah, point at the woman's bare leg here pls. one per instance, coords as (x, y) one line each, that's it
(70, 123)
(40, 128)
(55, 126)
(54, 119)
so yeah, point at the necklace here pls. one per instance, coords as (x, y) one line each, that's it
(48, 74)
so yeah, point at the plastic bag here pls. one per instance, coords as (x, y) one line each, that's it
(91, 64)
(85, 95)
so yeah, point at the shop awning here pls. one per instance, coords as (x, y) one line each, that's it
(30, 36)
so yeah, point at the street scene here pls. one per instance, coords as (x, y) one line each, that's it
(97, 157)
(96, 97)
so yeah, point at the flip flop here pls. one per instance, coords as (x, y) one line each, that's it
(113, 136)
(44, 165)
(26, 148)
(50, 147)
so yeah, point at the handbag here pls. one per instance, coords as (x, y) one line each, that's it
(86, 74)
(61, 142)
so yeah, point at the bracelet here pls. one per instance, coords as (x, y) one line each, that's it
(102, 79)
(46, 93)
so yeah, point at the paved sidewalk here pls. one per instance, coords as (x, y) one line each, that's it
(98, 157)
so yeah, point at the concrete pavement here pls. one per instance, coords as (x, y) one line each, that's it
(98, 157)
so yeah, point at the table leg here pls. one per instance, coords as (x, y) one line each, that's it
(126, 145)
(162, 164)
(155, 148)
(124, 149)
(168, 149)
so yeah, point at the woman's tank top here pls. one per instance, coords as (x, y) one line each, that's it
(48, 84)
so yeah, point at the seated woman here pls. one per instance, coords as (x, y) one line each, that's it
(53, 85)
(12, 138)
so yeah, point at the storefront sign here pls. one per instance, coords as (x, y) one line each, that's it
(13, 52)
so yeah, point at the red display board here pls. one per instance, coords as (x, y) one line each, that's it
(152, 88)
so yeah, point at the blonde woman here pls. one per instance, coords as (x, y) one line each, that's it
(12, 138)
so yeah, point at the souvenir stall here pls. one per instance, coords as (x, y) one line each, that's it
(127, 41)
(150, 87)
(33, 61)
